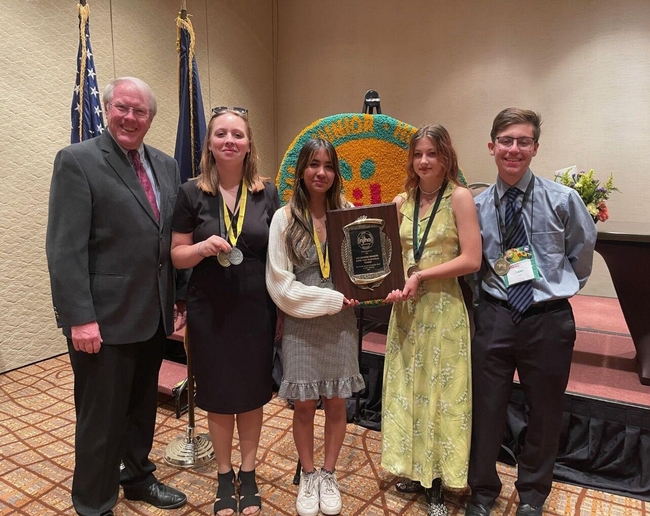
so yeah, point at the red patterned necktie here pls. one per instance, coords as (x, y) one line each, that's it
(144, 181)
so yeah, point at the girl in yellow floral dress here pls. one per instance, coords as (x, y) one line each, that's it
(426, 403)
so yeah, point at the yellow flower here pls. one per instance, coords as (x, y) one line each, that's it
(592, 209)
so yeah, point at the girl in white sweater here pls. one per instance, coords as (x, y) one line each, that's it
(319, 342)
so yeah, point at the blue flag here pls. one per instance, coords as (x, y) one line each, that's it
(191, 118)
(87, 119)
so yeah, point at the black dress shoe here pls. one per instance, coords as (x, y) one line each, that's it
(477, 509)
(525, 509)
(157, 494)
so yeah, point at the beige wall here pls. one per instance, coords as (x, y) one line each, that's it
(584, 64)
(37, 63)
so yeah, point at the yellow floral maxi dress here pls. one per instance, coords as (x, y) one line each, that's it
(426, 401)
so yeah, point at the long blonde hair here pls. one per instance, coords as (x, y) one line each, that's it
(208, 180)
(299, 236)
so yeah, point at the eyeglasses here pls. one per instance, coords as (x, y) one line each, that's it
(138, 112)
(222, 109)
(523, 142)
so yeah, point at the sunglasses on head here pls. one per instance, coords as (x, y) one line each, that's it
(222, 109)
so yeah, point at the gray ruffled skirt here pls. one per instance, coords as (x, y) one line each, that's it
(319, 356)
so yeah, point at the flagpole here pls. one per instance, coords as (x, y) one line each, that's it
(190, 450)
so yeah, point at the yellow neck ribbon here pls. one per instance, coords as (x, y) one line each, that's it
(323, 260)
(231, 237)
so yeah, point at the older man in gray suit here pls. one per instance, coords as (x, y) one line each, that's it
(108, 243)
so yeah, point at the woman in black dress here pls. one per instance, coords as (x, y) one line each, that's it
(220, 228)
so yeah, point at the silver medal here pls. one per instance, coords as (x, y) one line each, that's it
(235, 256)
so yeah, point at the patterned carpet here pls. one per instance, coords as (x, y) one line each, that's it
(36, 450)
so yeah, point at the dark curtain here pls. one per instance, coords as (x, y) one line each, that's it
(370, 398)
(603, 445)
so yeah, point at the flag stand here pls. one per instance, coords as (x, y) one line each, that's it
(192, 450)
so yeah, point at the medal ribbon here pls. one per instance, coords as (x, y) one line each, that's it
(323, 259)
(419, 249)
(232, 235)
(504, 232)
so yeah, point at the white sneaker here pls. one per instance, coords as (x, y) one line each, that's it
(330, 496)
(308, 497)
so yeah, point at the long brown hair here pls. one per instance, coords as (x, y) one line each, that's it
(208, 180)
(445, 151)
(299, 237)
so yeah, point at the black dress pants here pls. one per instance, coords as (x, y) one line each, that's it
(115, 394)
(540, 349)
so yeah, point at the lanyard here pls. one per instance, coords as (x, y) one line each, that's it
(505, 233)
(419, 249)
(323, 259)
(232, 234)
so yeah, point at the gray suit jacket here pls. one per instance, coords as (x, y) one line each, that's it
(109, 259)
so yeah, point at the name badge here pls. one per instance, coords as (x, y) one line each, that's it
(522, 265)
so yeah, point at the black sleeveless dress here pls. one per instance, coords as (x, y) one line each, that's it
(230, 316)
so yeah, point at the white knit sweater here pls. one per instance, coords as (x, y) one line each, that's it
(291, 296)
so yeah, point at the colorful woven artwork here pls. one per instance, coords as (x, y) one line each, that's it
(372, 149)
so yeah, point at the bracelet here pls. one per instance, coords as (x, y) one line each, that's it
(418, 276)
(199, 250)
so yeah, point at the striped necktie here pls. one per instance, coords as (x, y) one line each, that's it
(520, 296)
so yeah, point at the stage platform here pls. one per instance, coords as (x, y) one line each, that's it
(604, 358)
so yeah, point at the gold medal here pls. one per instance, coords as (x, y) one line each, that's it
(223, 259)
(412, 270)
(501, 266)
(323, 258)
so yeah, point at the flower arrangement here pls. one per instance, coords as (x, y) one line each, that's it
(593, 194)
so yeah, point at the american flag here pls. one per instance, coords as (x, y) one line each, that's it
(87, 118)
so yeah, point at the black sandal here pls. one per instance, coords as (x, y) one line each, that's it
(249, 494)
(226, 494)
(406, 485)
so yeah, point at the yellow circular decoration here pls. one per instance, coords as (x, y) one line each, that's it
(372, 150)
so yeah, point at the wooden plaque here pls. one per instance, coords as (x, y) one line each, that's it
(365, 251)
